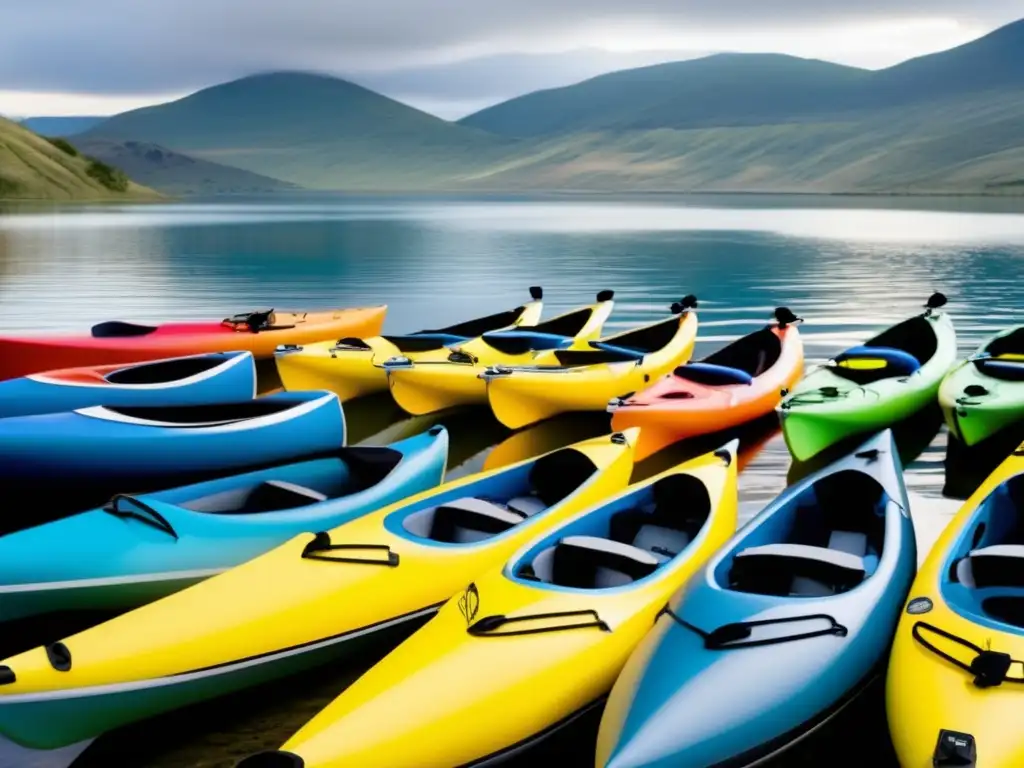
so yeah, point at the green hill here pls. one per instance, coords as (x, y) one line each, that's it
(174, 173)
(33, 168)
(311, 130)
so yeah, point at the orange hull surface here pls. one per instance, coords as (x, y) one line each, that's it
(676, 408)
(117, 343)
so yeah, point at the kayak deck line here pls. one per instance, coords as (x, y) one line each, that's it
(109, 581)
(216, 669)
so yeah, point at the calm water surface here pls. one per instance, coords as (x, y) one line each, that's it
(849, 266)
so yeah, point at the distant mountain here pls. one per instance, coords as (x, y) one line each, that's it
(724, 89)
(311, 130)
(34, 168)
(61, 126)
(174, 173)
(757, 89)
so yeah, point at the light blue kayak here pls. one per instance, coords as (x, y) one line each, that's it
(220, 377)
(784, 627)
(140, 548)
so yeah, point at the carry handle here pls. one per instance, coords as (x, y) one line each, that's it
(141, 512)
(486, 626)
(322, 543)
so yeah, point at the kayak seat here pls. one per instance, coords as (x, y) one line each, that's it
(867, 364)
(521, 342)
(117, 329)
(1005, 370)
(664, 543)
(1000, 565)
(797, 570)
(552, 478)
(713, 375)
(591, 562)
(424, 342)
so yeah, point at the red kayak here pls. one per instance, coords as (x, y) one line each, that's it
(117, 342)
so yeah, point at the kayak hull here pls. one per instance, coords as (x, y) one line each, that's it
(926, 694)
(682, 700)
(299, 596)
(94, 560)
(353, 367)
(196, 380)
(675, 408)
(131, 344)
(519, 397)
(492, 681)
(828, 407)
(100, 451)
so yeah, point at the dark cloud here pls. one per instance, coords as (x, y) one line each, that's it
(163, 46)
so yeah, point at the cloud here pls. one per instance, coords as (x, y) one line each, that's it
(439, 51)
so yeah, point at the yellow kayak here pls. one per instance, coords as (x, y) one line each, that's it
(449, 377)
(302, 603)
(527, 648)
(351, 367)
(956, 674)
(562, 381)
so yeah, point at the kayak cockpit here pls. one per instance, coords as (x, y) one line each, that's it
(301, 485)
(621, 543)
(117, 329)
(436, 338)
(897, 352)
(168, 371)
(499, 507)
(826, 542)
(985, 576)
(264, 409)
(736, 364)
(630, 346)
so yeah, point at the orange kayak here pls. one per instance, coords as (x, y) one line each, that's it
(736, 385)
(116, 342)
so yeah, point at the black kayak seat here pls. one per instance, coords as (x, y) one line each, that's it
(591, 562)
(802, 569)
(1000, 565)
(713, 375)
(268, 496)
(471, 519)
(894, 363)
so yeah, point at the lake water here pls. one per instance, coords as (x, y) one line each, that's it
(850, 266)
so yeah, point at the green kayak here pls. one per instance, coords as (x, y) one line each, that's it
(985, 393)
(872, 386)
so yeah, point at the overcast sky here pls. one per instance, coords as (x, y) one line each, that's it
(450, 57)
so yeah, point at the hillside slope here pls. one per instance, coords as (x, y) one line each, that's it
(31, 168)
(174, 173)
(311, 130)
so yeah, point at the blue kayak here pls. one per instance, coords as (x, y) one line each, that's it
(139, 548)
(784, 627)
(79, 459)
(222, 377)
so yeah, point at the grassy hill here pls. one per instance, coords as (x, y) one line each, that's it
(174, 173)
(60, 126)
(311, 130)
(33, 168)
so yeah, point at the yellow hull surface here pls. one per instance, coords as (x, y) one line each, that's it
(525, 648)
(353, 368)
(964, 610)
(450, 377)
(586, 380)
(307, 597)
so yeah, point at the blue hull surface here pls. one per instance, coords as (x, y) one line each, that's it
(141, 548)
(780, 630)
(79, 459)
(226, 377)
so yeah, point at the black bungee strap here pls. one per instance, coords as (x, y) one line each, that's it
(989, 667)
(733, 636)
